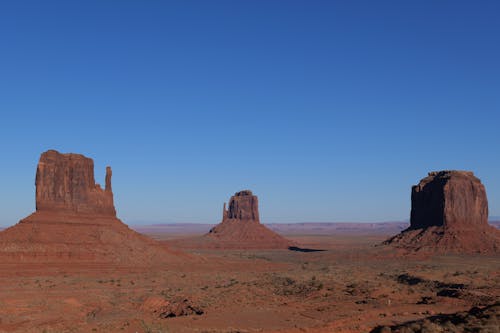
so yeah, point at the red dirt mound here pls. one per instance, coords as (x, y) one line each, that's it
(75, 221)
(240, 227)
(449, 214)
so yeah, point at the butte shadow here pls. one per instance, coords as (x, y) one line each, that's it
(305, 250)
(75, 221)
(449, 214)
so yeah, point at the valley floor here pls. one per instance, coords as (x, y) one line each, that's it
(351, 286)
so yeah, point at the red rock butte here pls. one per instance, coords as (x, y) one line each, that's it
(65, 183)
(75, 220)
(449, 213)
(241, 227)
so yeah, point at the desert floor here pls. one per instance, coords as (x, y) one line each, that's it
(351, 286)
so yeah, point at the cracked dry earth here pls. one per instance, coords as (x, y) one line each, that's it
(352, 286)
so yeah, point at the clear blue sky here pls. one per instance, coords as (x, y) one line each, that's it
(327, 110)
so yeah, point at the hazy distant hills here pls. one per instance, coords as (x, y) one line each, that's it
(283, 228)
(291, 228)
(339, 228)
(174, 228)
(315, 228)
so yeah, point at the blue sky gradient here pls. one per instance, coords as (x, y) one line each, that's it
(327, 110)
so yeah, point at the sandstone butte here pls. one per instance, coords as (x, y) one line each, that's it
(449, 214)
(75, 221)
(241, 228)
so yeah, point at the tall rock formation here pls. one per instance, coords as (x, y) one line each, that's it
(65, 183)
(243, 206)
(452, 199)
(75, 221)
(241, 227)
(449, 213)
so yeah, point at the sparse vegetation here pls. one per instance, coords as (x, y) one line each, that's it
(484, 320)
(286, 286)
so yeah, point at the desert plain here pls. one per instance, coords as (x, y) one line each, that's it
(351, 285)
(73, 266)
(367, 131)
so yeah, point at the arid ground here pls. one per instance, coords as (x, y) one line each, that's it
(352, 285)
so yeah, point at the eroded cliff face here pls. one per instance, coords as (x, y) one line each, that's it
(243, 206)
(449, 214)
(65, 183)
(453, 199)
(241, 228)
(75, 221)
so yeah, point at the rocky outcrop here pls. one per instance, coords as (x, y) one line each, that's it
(65, 182)
(477, 319)
(243, 206)
(241, 228)
(75, 221)
(173, 307)
(452, 199)
(449, 213)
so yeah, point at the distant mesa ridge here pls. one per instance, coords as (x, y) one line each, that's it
(449, 213)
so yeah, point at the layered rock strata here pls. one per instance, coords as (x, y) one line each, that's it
(449, 213)
(75, 221)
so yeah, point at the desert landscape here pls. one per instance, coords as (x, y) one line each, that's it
(242, 166)
(72, 266)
